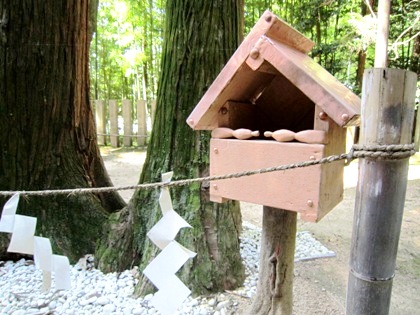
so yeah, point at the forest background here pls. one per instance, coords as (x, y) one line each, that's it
(126, 49)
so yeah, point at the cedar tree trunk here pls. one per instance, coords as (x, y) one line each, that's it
(47, 131)
(199, 38)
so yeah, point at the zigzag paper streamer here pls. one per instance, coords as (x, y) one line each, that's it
(161, 271)
(24, 241)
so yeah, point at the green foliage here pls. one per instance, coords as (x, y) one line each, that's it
(125, 49)
(342, 30)
(404, 35)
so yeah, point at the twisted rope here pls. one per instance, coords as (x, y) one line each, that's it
(391, 152)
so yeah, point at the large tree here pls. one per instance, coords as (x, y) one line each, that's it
(47, 132)
(199, 38)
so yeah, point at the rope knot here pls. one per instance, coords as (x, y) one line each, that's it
(382, 152)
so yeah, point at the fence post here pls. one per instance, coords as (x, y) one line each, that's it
(417, 132)
(153, 111)
(128, 122)
(100, 115)
(113, 122)
(141, 123)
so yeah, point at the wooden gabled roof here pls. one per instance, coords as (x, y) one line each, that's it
(273, 49)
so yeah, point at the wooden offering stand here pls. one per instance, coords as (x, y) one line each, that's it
(272, 105)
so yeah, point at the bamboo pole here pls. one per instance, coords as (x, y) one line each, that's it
(387, 118)
(381, 45)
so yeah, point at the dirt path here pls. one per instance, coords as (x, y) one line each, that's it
(320, 285)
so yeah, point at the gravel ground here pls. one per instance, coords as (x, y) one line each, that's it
(96, 293)
(319, 287)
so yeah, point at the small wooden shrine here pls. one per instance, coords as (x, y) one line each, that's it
(272, 105)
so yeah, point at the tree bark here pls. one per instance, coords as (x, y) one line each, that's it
(415, 56)
(361, 62)
(199, 38)
(275, 283)
(47, 132)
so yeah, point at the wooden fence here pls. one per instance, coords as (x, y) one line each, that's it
(130, 122)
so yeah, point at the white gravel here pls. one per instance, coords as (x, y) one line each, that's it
(96, 293)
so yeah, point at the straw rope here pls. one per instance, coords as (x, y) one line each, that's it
(388, 152)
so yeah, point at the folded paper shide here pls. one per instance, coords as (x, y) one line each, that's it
(161, 271)
(24, 241)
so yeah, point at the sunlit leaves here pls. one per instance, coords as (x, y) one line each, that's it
(126, 50)
(125, 56)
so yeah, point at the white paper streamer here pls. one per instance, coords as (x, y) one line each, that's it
(7, 220)
(23, 241)
(43, 261)
(61, 268)
(170, 296)
(166, 229)
(161, 271)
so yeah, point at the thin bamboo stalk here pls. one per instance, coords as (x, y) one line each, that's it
(381, 46)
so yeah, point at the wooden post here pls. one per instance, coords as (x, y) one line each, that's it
(387, 118)
(276, 266)
(100, 115)
(128, 122)
(113, 122)
(152, 111)
(141, 123)
(417, 132)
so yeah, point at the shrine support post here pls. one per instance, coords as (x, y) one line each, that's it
(275, 282)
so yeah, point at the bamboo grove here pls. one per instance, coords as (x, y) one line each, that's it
(126, 45)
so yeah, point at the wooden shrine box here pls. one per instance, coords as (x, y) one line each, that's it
(270, 83)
